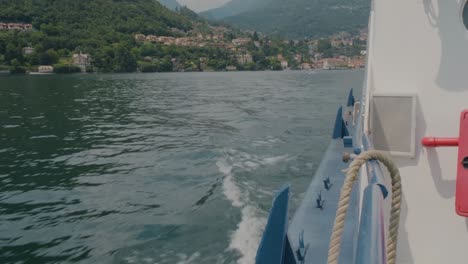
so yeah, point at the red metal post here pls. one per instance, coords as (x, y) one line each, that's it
(439, 142)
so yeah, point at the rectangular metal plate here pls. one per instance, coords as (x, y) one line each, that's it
(393, 123)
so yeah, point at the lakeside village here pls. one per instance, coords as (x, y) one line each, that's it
(215, 48)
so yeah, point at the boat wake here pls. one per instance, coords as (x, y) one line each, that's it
(246, 238)
(248, 234)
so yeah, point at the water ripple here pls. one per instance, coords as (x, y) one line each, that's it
(144, 168)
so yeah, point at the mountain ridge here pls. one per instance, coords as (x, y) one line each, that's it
(295, 19)
(171, 4)
(233, 8)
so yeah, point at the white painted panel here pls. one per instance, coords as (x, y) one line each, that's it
(421, 47)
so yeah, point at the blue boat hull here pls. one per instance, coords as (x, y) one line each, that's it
(309, 231)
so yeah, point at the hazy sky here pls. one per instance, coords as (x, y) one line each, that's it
(201, 5)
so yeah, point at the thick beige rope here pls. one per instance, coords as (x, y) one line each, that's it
(351, 176)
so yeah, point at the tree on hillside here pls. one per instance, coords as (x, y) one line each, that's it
(124, 60)
(255, 36)
(323, 45)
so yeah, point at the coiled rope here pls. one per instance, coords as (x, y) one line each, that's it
(351, 176)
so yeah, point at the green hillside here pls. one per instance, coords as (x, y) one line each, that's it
(132, 35)
(298, 18)
(90, 23)
(103, 28)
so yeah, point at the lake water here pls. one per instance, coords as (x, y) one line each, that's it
(156, 168)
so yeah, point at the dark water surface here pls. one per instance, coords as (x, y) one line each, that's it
(155, 168)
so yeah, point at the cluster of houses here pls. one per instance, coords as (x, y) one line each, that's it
(313, 61)
(316, 62)
(196, 41)
(217, 37)
(340, 62)
(15, 26)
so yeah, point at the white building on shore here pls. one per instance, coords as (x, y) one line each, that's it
(81, 60)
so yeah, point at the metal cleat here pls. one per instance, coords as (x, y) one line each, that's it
(319, 201)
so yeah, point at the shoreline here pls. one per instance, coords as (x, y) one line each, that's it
(5, 73)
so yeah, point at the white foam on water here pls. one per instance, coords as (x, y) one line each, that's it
(246, 238)
(184, 259)
(250, 164)
(269, 141)
(274, 160)
(230, 189)
(148, 260)
(248, 234)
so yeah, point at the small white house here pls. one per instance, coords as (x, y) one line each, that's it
(284, 64)
(244, 59)
(45, 69)
(306, 66)
(28, 51)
